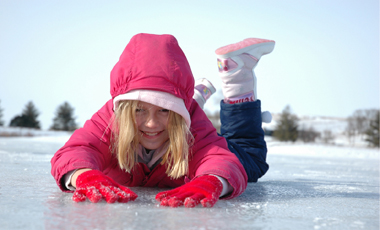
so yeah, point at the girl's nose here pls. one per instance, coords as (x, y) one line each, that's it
(151, 121)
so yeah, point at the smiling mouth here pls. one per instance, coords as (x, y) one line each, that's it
(150, 134)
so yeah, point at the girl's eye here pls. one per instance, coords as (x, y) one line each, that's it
(164, 110)
(139, 110)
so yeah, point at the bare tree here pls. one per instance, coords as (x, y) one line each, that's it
(359, 123)
(1, 116)
(351, 130)
(308, 134)
(327, 137)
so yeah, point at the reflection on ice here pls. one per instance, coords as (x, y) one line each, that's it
(146, 213)
(303, 191)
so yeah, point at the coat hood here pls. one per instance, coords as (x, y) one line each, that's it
(153, 63)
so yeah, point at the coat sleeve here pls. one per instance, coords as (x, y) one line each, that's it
(210, 154)
(88, 147)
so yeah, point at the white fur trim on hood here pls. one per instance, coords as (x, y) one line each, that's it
(157, 98)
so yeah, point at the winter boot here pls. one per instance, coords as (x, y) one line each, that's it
(202, 91)
(236, 63)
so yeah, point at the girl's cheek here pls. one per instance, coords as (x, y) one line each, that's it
(139, 119)
(164, 116)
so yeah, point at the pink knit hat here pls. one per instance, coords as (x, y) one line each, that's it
(157, 98)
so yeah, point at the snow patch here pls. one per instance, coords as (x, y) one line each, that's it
(319, 150)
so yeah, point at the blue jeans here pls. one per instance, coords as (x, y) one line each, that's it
(241, 126)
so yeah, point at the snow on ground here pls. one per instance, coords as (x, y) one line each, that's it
(319, 150)
(29, 132)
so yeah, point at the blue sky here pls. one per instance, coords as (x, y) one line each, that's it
(325, 63)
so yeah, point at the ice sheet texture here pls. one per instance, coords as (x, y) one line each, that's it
(307, 187)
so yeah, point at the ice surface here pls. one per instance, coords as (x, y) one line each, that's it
(307, 187)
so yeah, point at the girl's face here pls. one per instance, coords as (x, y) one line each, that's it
(152, 123)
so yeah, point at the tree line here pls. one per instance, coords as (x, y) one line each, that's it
(64, 119)
(362, 123)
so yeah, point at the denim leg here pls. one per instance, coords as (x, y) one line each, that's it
(241, 126)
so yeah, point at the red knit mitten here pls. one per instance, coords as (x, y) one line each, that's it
(95, 185)
(205, 190)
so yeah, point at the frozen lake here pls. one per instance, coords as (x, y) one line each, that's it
(307, 187)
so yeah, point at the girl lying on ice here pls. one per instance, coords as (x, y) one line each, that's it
(153, 132)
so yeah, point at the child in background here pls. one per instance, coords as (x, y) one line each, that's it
(153, 133)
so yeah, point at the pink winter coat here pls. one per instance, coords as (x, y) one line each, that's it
(154, 62)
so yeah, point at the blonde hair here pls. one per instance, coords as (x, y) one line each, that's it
(126, 141)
